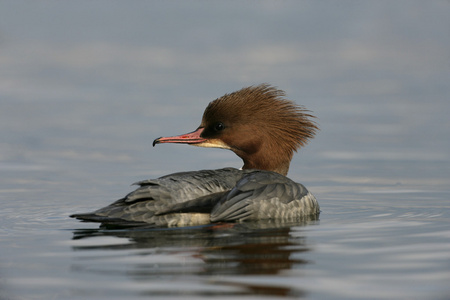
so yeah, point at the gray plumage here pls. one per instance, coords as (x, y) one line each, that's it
(199, 197)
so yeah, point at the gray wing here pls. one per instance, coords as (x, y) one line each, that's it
(154, 196)
(265, 195)
(185, 186)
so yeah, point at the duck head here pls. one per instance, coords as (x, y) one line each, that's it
(257, 123)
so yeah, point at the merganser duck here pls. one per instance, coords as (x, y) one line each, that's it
(264, 129)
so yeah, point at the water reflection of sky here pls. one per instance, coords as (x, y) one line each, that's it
(375, 73)
(85, 87)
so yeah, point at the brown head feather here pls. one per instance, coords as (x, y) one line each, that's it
(260, 125)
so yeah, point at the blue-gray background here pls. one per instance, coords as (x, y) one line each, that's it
(85, 87)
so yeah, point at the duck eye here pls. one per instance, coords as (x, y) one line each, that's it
(219, 126)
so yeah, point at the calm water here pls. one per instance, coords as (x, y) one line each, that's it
(83, 95)
(371, 242)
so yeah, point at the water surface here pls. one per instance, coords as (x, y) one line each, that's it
(86, 87)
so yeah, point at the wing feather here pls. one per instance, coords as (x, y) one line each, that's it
(265, 195)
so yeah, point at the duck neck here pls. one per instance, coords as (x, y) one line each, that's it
(261, 162)
(282, 169)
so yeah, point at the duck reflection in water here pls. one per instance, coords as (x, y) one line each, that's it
(213, 255)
